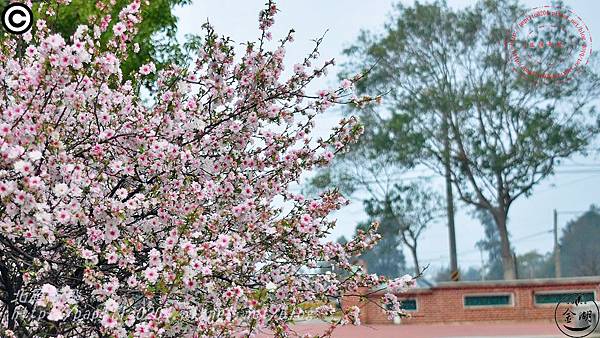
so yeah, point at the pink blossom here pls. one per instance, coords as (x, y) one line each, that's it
(112, 233)
(147, 68)
(298, 69)
(119, 28)
(401, 284)
(63, 216)
(223, 241)
(109, 321)
(23, 167)
(151, 275)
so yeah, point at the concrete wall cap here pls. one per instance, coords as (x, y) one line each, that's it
(520, 282)
(494, 284)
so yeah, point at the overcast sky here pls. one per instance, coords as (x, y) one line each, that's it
(574, 189)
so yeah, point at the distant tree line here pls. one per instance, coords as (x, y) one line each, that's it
(579, 256)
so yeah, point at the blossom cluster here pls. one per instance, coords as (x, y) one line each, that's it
(112, 200)
(401, 284)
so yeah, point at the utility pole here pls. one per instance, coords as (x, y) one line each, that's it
(454, 274)
(482, 270)
(556, 247)
(516, 264)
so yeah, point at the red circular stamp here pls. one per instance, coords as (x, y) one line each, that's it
(549, 43)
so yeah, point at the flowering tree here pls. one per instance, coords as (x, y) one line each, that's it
(124, 216)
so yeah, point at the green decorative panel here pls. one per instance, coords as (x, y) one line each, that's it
(409, 304)
(554, 298)
(406, 304)
(491, 300)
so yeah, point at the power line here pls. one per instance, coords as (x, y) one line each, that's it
(428, 177)
(578, 171)
(517, 240)
(533, 235)
(520, 239)
(579, 165)
(576, 212)
(568, 183)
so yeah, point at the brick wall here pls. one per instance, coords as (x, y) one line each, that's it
(445, 302)
(361, 302)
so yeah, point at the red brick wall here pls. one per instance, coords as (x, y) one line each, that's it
(350, 301)
(445, 302)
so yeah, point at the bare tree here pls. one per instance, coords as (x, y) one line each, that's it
(378, 179)
(413, 208)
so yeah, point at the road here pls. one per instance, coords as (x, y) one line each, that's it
(466, 330)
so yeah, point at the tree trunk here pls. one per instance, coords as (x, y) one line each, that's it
(413, 251)
(508, 262)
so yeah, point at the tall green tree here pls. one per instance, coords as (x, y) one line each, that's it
(580, 252)
(532, 264)
(491, 245)
(156, 33)
(450, 77)
(397, 68)
(386, 257)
